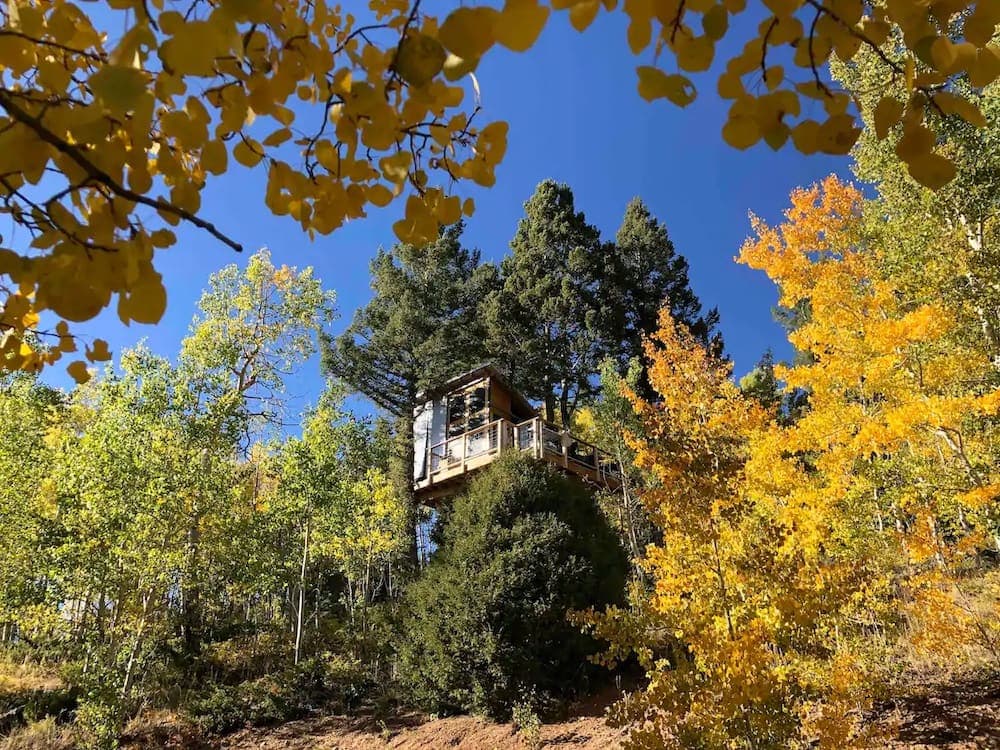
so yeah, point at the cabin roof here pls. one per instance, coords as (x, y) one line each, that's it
(486, 369)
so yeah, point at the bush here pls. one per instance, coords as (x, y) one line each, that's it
(486, 623)
(333, 683)
(527, 724)
(26, 706)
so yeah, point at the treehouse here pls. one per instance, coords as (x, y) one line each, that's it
(464, 424)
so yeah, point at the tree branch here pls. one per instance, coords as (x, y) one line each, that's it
(98, 175)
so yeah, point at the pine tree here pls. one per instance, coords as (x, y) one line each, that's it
(652, 275)
(420, 328)
(545, 321)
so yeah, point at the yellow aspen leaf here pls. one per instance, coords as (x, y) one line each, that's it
(170, 21)
(716, 22)
(278, 137)
(139, 178)
(379, 195)
(875, 30)
(783, 30)
(420, 57)
(468, 32)
(99, 351)
(980, 25)
(730, 86)
(783, 8)
(67, 344)
(741, 131)
(162, 238)
(812, 55)
(655, 84)
(441, 135)
(943, 54)
(214, 157)
(909, 70)
(806, 136)
(640, 27)
(929, 79)
(449, 210)
(468, 207)
(455, 67)
(777, 135)
(396, 167)
(931, 170)
(583, 13)
(952, 104)
(695, 54)
(839, 134)
(327, 156)
(773, 77)
(985, 68)
(145, 302)
(70, 302)
(492, 142)
(193, 48)
(916, 140)
(519, 23)
(888, 112)
(78, 371)
(119, 87)
(248, 152)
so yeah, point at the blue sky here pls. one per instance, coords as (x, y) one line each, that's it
(574, 116)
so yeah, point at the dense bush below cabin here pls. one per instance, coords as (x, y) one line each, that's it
(486, 625)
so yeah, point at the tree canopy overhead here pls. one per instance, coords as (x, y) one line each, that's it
(107, 140)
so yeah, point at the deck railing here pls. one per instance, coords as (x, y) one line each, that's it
(543, 440)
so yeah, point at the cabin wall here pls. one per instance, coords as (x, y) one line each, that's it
(429, 425)
(500, 401)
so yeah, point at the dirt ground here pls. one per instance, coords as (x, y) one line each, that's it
(961, 715)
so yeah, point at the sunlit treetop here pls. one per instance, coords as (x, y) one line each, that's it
(116, 114)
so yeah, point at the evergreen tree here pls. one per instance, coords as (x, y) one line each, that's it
(420, 328)
(545, 321)
(486, 625)
(646, 274)
(761, 385)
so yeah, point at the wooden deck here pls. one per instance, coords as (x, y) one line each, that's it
(452, 460)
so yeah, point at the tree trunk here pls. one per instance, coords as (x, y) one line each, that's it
(136, 645)
(564, 405)
(302, 590)
(403, 472)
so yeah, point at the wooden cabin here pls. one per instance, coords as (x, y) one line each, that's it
(465, 423)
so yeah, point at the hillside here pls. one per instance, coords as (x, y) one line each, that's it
(963, 715)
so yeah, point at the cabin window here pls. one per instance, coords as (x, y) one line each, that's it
(468, 409)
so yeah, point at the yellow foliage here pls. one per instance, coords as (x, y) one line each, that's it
(791, 548)
(112, 114)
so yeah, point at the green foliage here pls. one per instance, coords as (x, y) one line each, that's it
(545, 320)
(647, 274)
(527, 723)
(324, 682)
(761, 385)
(145, 533)
(487, 622)
(567, 300)
(608, 422)
(421, 326)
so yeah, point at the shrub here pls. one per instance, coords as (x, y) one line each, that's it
(486, 623)
(331, 682)
(527, 724)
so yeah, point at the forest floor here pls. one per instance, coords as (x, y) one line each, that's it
(958, 714)
(962, 715)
